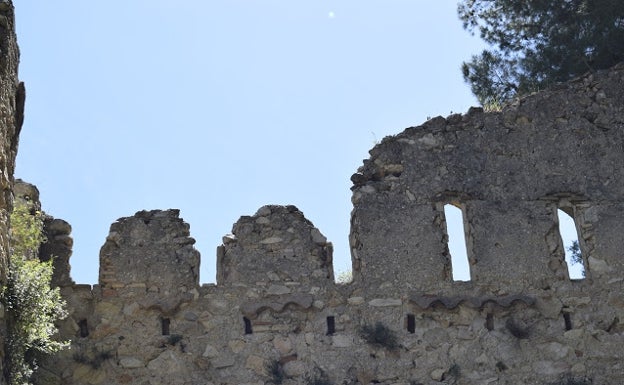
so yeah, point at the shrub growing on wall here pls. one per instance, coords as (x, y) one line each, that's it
(32, 305)
(379, 335)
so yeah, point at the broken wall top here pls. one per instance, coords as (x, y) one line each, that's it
(563, 140)
(509, 172)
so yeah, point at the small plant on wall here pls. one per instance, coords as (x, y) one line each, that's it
(570, 380)
(318, 377)
(174, 339)
(517, 329)
(379, 335)
(94, 360)
(275, 371)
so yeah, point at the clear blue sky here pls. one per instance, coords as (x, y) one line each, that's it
(219, 107)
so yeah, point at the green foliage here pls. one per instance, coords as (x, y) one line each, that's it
(379, 335)
(318, 378)
(493, 106)
(174, 339)
(454, 371)
(535, 43)
(344, 277)
(276, 372)
(517, 330)
(32, 305)
(569, 380)
(95, 360)
(453, 374)
(576, 252)
(576, 256)
(26, 232)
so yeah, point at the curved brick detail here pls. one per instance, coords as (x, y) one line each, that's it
(425, 302)
(277, 304)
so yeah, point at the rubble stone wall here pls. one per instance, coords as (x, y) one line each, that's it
(276, 315)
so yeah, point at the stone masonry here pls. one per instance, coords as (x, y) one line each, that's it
(276, 315)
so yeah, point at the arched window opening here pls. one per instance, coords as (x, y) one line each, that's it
(569, 237)
(457, 242)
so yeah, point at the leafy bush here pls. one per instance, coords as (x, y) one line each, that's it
(517, 330)
(568, 380)
(174, 339)
(576, 256)
(453, 374)
(379, 335)
(95, 361)
(345, 277)
(454, 371)
(319, 377)
(276, 372)
(32, 305)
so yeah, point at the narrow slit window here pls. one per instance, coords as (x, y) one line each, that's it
(331, 325)
(567, 320)
(411, 323)
(457, 242)
(165, 323)
(247, 323)
(84, 328)
(489, 321)
(569, 237)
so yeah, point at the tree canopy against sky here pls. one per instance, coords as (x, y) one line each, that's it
(535, 43)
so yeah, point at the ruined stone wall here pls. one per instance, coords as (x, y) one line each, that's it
(276, 315)
(12, 97)
(509, 172)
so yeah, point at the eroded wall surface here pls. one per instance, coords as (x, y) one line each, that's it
(276, 315)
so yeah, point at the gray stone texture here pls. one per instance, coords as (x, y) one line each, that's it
(277, 247)
(152, 250)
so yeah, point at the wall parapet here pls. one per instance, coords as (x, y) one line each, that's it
(152, 250)
(276, 245)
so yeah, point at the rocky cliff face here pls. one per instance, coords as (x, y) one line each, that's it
(276, 316)
(12, 97)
